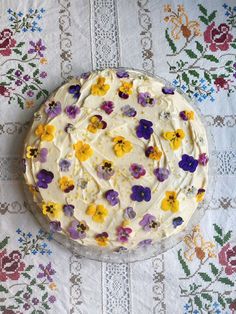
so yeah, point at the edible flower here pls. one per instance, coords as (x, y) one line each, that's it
(105, 170)
(144, 129)
(102, 238)
(98, 212)
(123, 234)
(186, 115)
(44, 178)
(167, 90)
(161, 174)
(170, 202)
(200, 195)
(75, 90)
(149, 222)
(153, 152)
(140, 193)
(177, 221)
(52, 210)
(125, 89)
(72, 111)
(31, 152)
(203, 159)
(175, 138)
(53, 109)
(188, 163)
(137, 170)
(112, 197)
(83, 151)
(77, 229)
(129, 213)
(45, 132)
(107, 106)
(55, 226)
(100, 88)
(128, 111)
(122, 146)
(96, 123)
(145, 99)
(66, 184)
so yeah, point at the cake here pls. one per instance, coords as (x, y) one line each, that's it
(116, 159)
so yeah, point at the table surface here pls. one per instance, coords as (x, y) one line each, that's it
(190, 43)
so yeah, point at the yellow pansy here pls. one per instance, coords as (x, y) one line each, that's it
(52, 210)
(83, 151)
(33, 189)
(175, 138)
(98, 212)
(100, 88)
(189, 115)
(122, 146)
(66, 184)
(45, 132)
(96, 123)
(170, 202)
(200, 195)
(126, 88)
(102, 239)
(153, 152)
(31, 152)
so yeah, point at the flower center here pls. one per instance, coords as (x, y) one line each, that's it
(50, 209)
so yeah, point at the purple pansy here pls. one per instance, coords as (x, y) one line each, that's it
(75, 90)
(144, 129)
(203, 159)
(77, 229)
(123, 234)
(107, 106)
(122, 74)
(112, 197)
(168, 90)
(42, 157)
(69, 128)
(145, 242)
(105, 170)
(161, 174)
(188, 163)
(137, 170)
(44, 178)
(177, 221)
(47, 272)
(129, 213)
(55, 226)
(68, 210)
(123, 95)
(149, 222)
(145, 99)
(38, 47)
(140, 193)
(53, 109)
(72, 111)
(183, 115)
(52, 299)
(128, 111)
(85, 75)
(64, 165)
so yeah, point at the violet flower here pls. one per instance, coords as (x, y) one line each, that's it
(64, 165)
(188, 163)
(123, 234)
(42, 157)
(145, 99)
(203, 159)
(128, 111)
(75, 90)
(53, 109)
(72, 111)
(55, 226)
(177, 221)
(129, 213)
(161, 174)
(149, 222)
(144, 129)
(122, 74)
(77, 229)
(168, 90)
(44, 178)
(140, 193)
(137, 170)
(68, 210)
(112, 197)
(107, 106)
(145, 242)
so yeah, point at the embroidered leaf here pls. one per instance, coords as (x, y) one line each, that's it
(190, 53)
(202, 9)
(219, 240)
(32, 65)
(170, 41)
(20, 44)
(19, 300)
(212, 16)
(28, 268)
(203, 19)
(44, 297)
(40, 312)
(218, 229)
(229, 69)
(227, 237)
(198, 301)
(39, 95)
(20, 102)
(226, 281)
(46, 306)
(18, 293)
(228, 300)
(193, 73)
(211, 58)
(4, 242)
(10, 78)
(3, 289)
(41, 287)
(29, 289)
(26, 275)
(10, 71)
(17, 51)
(183, 263)
(45, 92)
(207, 296)
(185, 78)
(36, 72)
(33, 282)
(233, 45)
(199, 46)
(32, 87)
(24, 89)
(38, 81)
(214, 270)
(20, 67)
(228, 62)
(25, 56)
(221, 301)
(207, 77)
(204, 276)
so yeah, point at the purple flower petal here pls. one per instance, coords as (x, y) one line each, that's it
(188, 163)
(161, 174)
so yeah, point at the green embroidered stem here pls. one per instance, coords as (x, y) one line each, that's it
(19, 60)
(181, 49)
(197, 270)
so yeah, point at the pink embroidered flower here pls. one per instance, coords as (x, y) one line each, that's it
(218, 37)
(227, 258)
(10, 265)
(6, 42)
(123, 234)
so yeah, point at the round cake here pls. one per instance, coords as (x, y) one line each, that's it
(116, 159)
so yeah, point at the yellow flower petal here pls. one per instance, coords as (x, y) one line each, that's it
(91, 210)
(52, 210)
(83, 151)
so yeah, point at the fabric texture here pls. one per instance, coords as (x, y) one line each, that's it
(190, 43)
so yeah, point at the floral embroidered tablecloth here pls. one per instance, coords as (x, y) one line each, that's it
(190, 43)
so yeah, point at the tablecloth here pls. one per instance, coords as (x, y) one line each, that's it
(190, 43)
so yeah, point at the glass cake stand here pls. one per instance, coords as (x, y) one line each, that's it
(140, 253)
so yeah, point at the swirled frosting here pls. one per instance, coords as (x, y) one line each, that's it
(116, 159)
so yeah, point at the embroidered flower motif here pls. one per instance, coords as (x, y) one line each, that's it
(227, 258)
(52, 210)
(177, 221)
(219, 37)
(200, 195)
(161, 174)
(145, 243)
(100, 88)
(64, 165)
(153, 152)
(198, 246)
(107, 106)
(43, 153)
(46, 132)
(144, 129)
(11, 265)
(72, 111)
(167, 90)
(203, 159)
(83, 151)
(145, 100)
(122, 146)
(123, 234)
(170, 202)
(188, 163)
(129, 213)
(37, 47)
(77, 229)
(66, 184)
(96, 123)
(44, 178)
(140, 193)
(102, 239)
(55, 226)
(69, 128)
(6, 42)
(149, 222)
(68, 210)
(122, 74)
(128, 111)
(75, 90)
(112, 197)
(105, 170)
(98, 212)
(53, 109)
(137, 170)
(47, 272)
(125, 90)
(175, 138)
(186, 115)
(31, 152)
